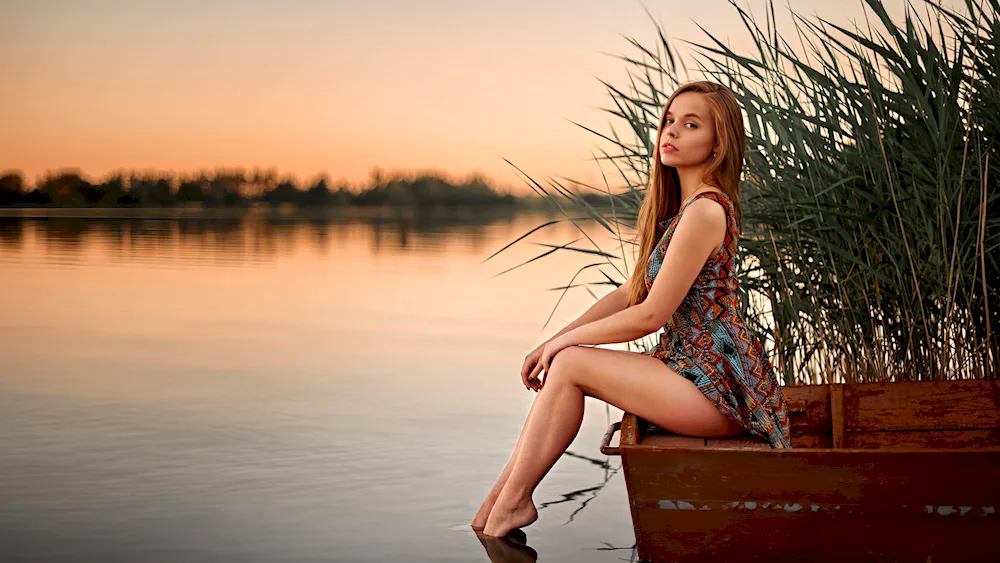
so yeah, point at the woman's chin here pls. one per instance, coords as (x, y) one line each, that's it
(672, 161)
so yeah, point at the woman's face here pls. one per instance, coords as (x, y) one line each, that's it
(687, 136)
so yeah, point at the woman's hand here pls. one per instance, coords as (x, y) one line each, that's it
(530, 361)
(534, 380)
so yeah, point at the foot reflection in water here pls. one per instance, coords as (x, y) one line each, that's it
(512, 548)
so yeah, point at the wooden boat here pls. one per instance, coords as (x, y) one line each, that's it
(906, 471)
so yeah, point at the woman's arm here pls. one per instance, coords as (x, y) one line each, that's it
(610, 304)
(699, 233)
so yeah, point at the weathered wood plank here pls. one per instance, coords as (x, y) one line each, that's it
(629, 431)
(923, 405)
(812, 440)
(628, 443)
(675, 441)
(672, 441)
(808, 408)
(800, 398)
(815, 476)
(739, 443)
(670, 534)
(932, 439)
(837, 413)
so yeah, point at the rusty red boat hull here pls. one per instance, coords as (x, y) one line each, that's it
(905, 471)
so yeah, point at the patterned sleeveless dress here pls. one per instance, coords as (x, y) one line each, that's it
(706, 342)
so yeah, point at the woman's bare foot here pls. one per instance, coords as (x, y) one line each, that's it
(479, 522)
(506, 517)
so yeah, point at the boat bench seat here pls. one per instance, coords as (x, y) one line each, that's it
(665, 440)
(958, 414)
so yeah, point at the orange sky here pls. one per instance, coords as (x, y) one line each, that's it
(330, 87)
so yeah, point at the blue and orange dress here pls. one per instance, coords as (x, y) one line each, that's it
(707, 343)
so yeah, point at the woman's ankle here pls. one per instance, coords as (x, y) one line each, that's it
(521, 497)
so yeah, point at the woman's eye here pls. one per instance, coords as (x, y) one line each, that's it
(668, 121)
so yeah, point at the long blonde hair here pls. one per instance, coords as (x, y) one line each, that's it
(663, 194)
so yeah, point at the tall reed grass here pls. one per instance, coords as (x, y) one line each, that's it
(871, 211)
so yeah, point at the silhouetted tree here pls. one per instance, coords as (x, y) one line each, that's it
(128, 199)
(285, 192)
(11, 189)
(225, 189)
(152, 191)
(260, 183)
(341, 197)
(90, 193)
(67, 188)
(235, 188)
(37, 197)
(318, 194)
(191, 191)
(113, 189)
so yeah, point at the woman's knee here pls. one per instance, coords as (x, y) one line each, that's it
(566, 365)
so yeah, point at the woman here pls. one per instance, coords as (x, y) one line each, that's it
(707, 376)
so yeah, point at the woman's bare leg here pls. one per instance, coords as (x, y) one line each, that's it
(479, 522)
(634, 383)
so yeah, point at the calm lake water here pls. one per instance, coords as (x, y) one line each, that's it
(280, 388)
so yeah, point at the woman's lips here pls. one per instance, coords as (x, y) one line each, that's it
(669, 148)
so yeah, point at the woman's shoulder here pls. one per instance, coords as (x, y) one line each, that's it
(721, 198)
(718, 198)
(706, 211)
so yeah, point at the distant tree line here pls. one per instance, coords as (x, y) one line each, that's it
(239, 188)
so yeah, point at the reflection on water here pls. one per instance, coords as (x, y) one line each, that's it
(236, 236)
(258, 387)
(510, 549)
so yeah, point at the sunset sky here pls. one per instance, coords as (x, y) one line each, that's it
(336, 87)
